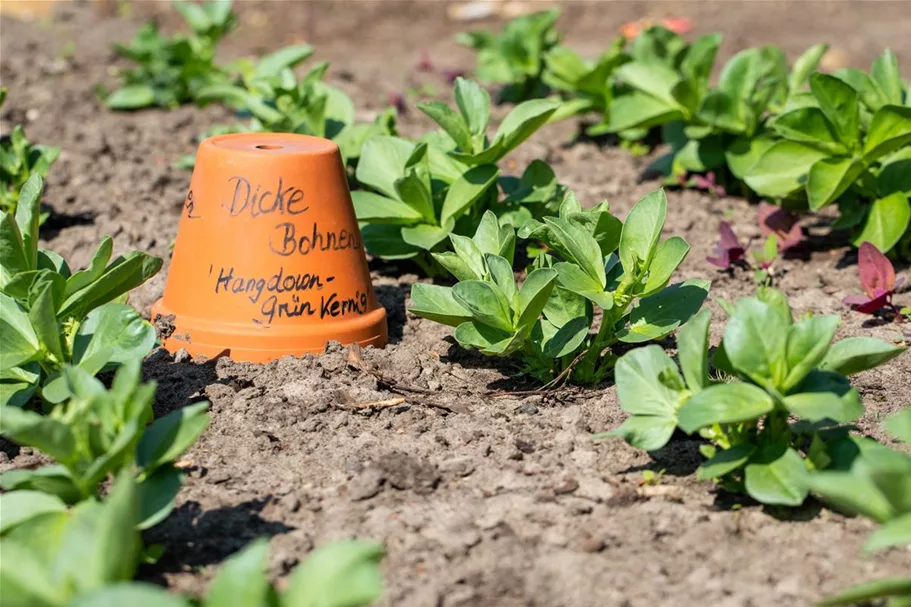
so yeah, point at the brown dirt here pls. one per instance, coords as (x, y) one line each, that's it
(479, 500)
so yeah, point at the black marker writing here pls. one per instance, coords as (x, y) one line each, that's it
(285, 240)
(264, 202)
(277, 283)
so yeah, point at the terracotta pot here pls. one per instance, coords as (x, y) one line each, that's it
(268, 259)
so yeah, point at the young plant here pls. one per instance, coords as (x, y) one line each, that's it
(784, 226)
(877, 277)
(874, 481)
(729, 251)
(515, 58)
(171, 71)
(96, 434)
(467, 139)
(52, 316)
(417, 197)
(19, 160)
(280, 103)
(596, 261)
(770, 369)
(586, 86)
(86, 556)
(834, 146)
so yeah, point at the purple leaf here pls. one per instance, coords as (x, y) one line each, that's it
(777, 221)
(877, 278)
(729, 250)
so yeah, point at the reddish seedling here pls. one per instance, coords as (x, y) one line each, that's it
(729, 250)
(706, 183)
(777, 221)
(877, 278)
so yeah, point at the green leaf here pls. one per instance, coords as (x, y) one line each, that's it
(474, 104)
(486, 303)
(567, 339)
(899, 425)
(693, 350)
(840, 104)
(638, 388)
(84, 278)
(896, 532)
(134, 594)
(116, 329)
(436, 303)
(777, 475)
(383, 161)
(28, 212)
(818, 406)
(340, 574)
(743, 153)
(241, 581)
(18, 385)
(724, 404)
(805, 65)
(519, 125)
(654, 79)
(856, 354)
(829, 178)
(777, 300)
(491, 237)
(755, 341)
(887, 77)
(168, 437)
(44, 322)
(386, 241)
(123, 275)
(807, 344)
(641, 231)
(852, 493)
(639, 110)
(646, 432)
(449, 121)
(725, 461)
(808, 125)
(20, 342)
(668, 256)
(467, 190)
(656, 316)
(572, 278)
(485, 338)
(272, 64)
(867, 591)
(52, 480)
(26, 580)
(157, 495)
(534, 294)
(502, 276)
(889, 130)
(783, 168)
(377, 209)
(131, 97)
(887, 221)
(721, 111)
(20, 506)
(426, 236)
(577, 246)
(470, 255)
(13, 257)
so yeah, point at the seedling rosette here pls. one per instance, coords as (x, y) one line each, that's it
(515, 58)
(51, 316)
(279, 102)
(848, 142)
(875, 482)
(19, 160)
(595, 260)
(771, 370)
(877, 276)
(420, 193)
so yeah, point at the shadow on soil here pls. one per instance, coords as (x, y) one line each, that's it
(192, 538)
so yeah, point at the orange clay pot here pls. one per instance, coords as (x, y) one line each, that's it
(268, 259)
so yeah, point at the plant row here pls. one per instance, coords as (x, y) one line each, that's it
(795, 136)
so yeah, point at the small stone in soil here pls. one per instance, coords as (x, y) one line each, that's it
(367, 484)
(527, 409)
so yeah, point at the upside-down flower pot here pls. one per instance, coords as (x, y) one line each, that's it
(268, 259)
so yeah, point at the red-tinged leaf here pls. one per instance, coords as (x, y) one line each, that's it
(877, 276)
(777, 221)
(729, 250)
(867, 305)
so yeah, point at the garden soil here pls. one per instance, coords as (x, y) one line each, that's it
(481, 496)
